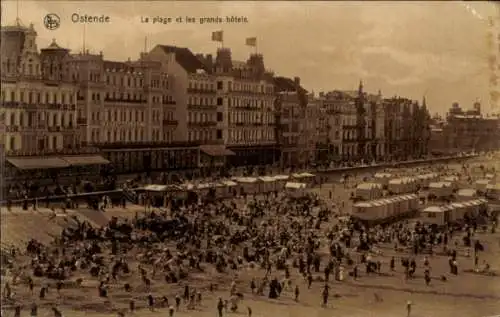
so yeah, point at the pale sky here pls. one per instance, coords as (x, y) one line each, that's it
(437, 49)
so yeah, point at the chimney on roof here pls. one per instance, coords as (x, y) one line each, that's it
(296, 81)
(224, 61)
(477, 106)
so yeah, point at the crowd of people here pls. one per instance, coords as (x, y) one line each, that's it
(272, 245)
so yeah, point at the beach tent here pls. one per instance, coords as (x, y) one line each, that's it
(440, 189)
(454, 180)
(248, 185)
(267, 184)
(434, 215)
(466, 194)
(379, 209)
(493, 191)
(402, 185)
(227, 188)
(280, 181)
(295, 189)
(482, 184)
(382, 178)
(363, 210)
(458, 212)
(369, 191)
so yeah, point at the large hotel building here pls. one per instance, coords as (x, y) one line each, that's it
(170, 109)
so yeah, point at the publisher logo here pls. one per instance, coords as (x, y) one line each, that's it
(52, 21)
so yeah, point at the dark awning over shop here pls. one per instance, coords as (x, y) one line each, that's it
(37, 162)
(216, 150)
(81, 160)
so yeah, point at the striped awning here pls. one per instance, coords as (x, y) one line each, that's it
(216, 150)
(81, 160)
(37, 162)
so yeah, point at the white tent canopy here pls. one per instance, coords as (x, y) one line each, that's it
(451, 179)
(229, 183)
(155, 188)
(382, 175)
(281, 177)
(293, 185)
(245, 179)
(267, 179)
(303, 175)
(467, 192)
(368, 186)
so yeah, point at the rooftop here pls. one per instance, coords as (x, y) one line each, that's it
(184, 57)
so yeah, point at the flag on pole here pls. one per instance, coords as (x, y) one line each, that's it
(218, 36)
(251, 41)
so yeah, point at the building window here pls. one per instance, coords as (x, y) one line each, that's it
(219, 134)
(219, 117)
(220, 101)
(220, 85)
(12, 143)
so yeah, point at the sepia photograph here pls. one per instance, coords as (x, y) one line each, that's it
(250, 158)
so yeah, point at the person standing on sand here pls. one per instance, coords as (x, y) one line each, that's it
(17, 311)
(220, 306)
(325, 295)
(34, 310)
(408, 308)
(297, 293)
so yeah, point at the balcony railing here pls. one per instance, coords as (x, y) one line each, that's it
(203, 124)
(65, 151)
(35, 105)
(251, 92)
(170, 122)
(201, 91)
(146, 144)
(122, 100)
(247, 107)
(81, 121)
(172, 102)
(208, 107)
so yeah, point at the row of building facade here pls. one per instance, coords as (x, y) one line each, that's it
(172, 109)
(464, 130)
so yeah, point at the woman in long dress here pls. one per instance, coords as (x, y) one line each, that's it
(341, 273)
